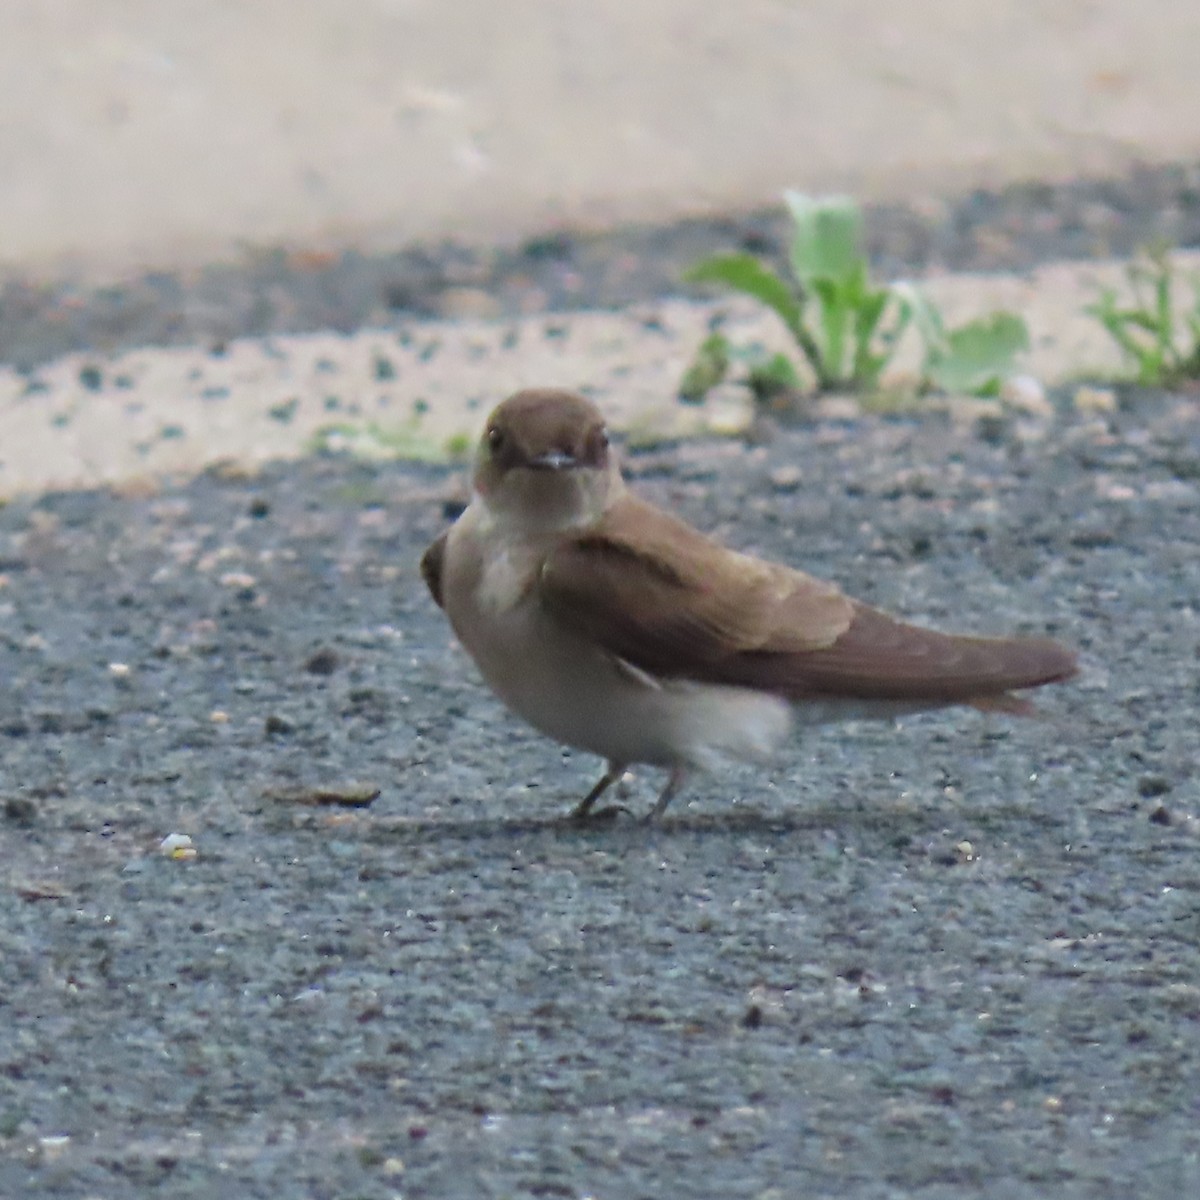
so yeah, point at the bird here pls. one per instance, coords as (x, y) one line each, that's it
(616, 628)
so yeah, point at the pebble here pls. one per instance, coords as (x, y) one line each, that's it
(1095, 400)
(1028, 395)
(786, 479)
(177, 846)
(459, 303)
(838, 408)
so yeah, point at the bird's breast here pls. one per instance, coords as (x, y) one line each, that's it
(577, 692)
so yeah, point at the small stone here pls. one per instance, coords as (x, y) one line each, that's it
(323, 662)
(467, 303)
(786, 479)
(728, 420)
(1027, 395)
(991, 428)
(53, 1146)
(1151, 786)
(1161, 816)
(351, 794)
(1093, 401)
(752, 1018)
(20, 810)
(837, 408)
(177, 846)
(40, 890)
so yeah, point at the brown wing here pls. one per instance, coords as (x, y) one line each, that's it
(431, 567)
(660, 595)
(669, 600)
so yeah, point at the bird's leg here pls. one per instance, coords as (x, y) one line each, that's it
(674, 782)
(584, 807)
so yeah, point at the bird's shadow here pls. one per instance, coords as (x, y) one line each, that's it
(625, 827)
(621, 828)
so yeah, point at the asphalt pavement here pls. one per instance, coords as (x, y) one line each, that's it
(953, 957)
(288, 904)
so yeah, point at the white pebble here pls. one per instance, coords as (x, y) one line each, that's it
(177, 846)
(1027, 395)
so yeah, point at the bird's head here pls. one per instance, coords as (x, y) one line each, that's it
(545, 462)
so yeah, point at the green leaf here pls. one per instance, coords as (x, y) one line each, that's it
(1145, 332)
(867, 315)
(1152, 323)
(915, 306)
(1162, 295)
(744, 273)
(1193, 319)
(835, 321)
(827, 242)
(889, 335)
(706, 370)
(868, 364)
(771, 377)
(977, 356)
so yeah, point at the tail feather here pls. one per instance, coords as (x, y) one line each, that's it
(880, 658)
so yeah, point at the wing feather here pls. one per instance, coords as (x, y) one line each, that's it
(667, 599)
(661, 596)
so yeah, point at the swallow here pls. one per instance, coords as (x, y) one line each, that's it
(616, 628)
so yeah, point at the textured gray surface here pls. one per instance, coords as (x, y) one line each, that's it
(268, 292)
(801, 983)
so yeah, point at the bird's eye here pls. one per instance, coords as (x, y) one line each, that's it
(597, 446)
(495, 439)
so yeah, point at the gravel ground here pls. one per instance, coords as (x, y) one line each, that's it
(955, 957)
(599, 313)
(275, 291)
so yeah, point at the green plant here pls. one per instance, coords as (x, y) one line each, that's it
(972, 359)
(829, 307)
(768, 376)
(846, 327)
(371, 440)
(1145, 331)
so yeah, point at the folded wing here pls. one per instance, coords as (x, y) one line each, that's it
(660, 595)
(664, 597)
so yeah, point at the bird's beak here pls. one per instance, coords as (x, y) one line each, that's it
(553, 460)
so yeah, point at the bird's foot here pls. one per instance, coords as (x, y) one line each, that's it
(583, 810)
(596, 816)
(674, 782)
